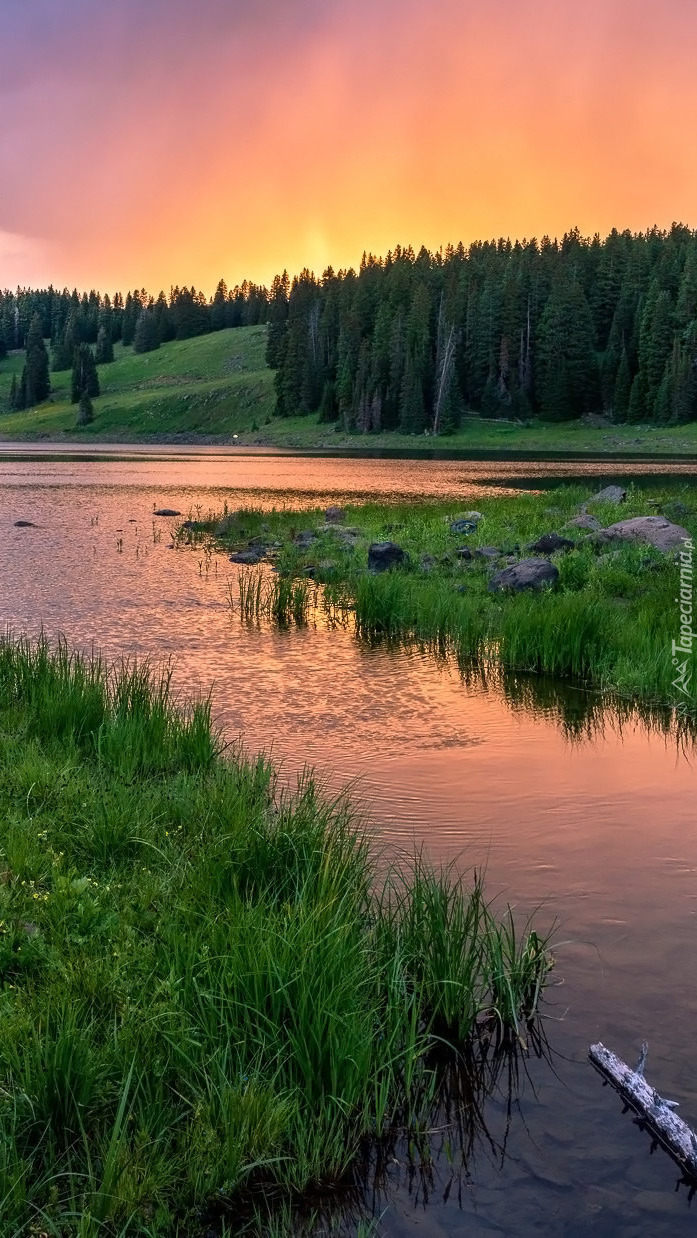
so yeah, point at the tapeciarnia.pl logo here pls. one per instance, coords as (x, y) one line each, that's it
(682, 648)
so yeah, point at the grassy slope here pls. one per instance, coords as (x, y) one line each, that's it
(609, 622)
(218, 385)
(200, 988)
(214, 385)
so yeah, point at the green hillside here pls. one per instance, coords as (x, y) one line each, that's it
(212, 385)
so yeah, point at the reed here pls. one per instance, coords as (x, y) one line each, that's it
(210, 999)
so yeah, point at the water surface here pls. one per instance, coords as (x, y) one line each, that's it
(575, 815)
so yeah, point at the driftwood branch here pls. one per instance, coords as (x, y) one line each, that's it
(657, 1113)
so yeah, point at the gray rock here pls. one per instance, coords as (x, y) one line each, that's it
(24, 524)
(487, 552)
(166, 511)
(584, 522)
(334, 515)
(305, 539)
(428, 562)
(466, 523)
(326, 565)
(550, 543)
(527, 574)
(654, 530)
(464, 553)
(675, 510)
(384, 555)
(610, 494)
(248, 557)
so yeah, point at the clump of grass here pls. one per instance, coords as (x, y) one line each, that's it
(608, 623)
(206, 994)
(280, 597)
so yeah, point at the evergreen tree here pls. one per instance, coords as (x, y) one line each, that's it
(622, 389)
(567, 377)
(85, 410)
(219, 307)
(84, 376)
(277, 319)
(147, 336)
(14, 394)
(35, 378)
(104, 351)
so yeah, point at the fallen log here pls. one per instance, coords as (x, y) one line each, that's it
(655, 1112)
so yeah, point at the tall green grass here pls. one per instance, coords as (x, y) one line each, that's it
(209, 997)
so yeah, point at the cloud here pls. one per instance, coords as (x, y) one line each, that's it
(163, 141)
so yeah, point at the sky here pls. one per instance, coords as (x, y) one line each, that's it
(147, 143)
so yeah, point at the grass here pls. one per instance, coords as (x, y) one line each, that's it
(211, 1003)
(215, 386)
(608, 623)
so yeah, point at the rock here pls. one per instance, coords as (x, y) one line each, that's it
(655, 530)
(187, 524)
(166, 511)
(527, 574)
(305, 539)
(675, 510)
(334, 515)
(461, 589)
(326, 565)
(384, 555)
(24, 524)
(610, 494)
(464, 553)
(487, 552)
(248, 557)
(584, 522)
(550, 543)
(466, 523)
(428, 562)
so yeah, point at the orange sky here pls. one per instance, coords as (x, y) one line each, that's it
(152, 142)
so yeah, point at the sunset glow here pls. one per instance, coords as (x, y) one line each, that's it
(159, 143)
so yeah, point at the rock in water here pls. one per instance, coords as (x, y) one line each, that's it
(384, 555)
(248, 557)
(610, 494)
(24, 524)
(528, 574)
(166, 511)
(549, 543)
(655, 530)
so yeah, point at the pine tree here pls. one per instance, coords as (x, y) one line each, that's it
(35, 378)
(567, 374)
(84, 376)
(622, 389)
(85, 410)
(147, 336)
(104, 350)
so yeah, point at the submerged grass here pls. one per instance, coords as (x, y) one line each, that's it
(208, 999)
(608, 623)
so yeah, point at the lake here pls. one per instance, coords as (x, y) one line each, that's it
(578, 815)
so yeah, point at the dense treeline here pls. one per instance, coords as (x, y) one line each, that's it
(551, 329)
(82, 329)
(556, 329)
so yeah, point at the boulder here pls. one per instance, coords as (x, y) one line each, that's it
(676, 510)
(249, 557)
(166, 511)
(466, 523)
(487, 552)
(334, 515)
(24, 524)
(654, 530)
(527, 574)
(464, 553)
(610, 494)
(305, 539)
(384, 555)
(589, 523)
(550, 543)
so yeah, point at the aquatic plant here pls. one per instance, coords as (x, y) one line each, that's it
(208, 992)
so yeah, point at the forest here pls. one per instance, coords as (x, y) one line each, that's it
(557, 330)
